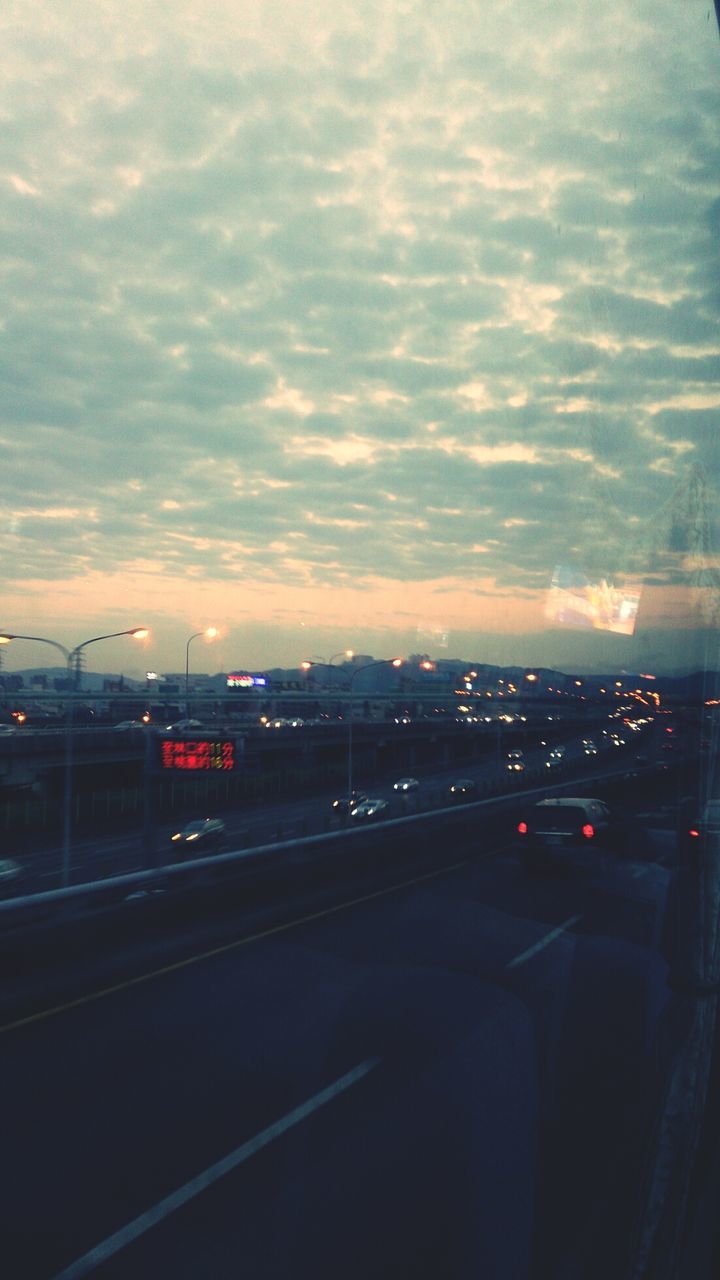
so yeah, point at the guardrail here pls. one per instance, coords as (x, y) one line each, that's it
(115, 889)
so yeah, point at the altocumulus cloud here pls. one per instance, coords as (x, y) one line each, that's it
(332, 298)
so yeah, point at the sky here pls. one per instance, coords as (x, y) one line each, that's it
(342, 325)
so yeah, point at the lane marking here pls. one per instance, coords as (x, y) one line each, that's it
(133, 1230)
(543, 943)
(222, 950)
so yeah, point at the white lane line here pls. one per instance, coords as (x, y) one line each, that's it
(133, 1230)
(544, 942)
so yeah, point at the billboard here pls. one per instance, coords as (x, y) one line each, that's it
(246, 680)
(178, 753)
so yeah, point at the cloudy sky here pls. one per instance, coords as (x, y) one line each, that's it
(344, 324)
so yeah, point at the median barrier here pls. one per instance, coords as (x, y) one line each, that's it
(391, 844)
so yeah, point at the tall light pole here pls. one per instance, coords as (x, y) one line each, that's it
(383, 662)
(344, 653)
(210, 634)
(71, 656)
(316, 661)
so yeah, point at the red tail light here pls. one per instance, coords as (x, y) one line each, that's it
(588, 830)
(693, 832)
(522, 828)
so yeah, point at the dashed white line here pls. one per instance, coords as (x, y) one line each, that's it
(133, 1230)
(544, 942)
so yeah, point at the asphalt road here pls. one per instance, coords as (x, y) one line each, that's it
(453, 1078)
(116, 853)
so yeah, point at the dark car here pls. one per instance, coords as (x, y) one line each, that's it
(345, 804)
(200, 835)
(560, 825)
(463, 789)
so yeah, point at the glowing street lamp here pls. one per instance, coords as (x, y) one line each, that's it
(316, 661)
(71, 658)
(384, 662)
(210, 633)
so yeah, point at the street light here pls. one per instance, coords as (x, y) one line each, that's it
(344, 653)
(316, 661)
(210, 633)
(383, 662)
(71, 656)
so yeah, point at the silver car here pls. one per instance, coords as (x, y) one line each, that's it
(367, 810)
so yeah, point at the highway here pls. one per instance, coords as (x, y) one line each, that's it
(451, 1075)
(287, 818)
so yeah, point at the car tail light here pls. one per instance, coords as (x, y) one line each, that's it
(588, 830)
(693, 832)
(522, 828)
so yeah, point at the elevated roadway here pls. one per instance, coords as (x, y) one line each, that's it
(445, 1068)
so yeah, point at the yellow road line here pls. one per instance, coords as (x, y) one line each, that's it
(218, 951)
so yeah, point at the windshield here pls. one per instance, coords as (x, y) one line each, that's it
(360, 438)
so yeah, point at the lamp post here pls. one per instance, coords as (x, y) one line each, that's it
(315, 660)
(210, 634)
(383, 662)
(71, 656)
(344, 653)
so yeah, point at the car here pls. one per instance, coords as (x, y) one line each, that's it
(406, 784)
(182, 726)
(515, 766)
(589, 747)
(366, 810)
(125, 725)
(6, 730)
(462, 789)
(560, 824)
(555, 758)
(203, 833)
(516, 754)
(345, 804)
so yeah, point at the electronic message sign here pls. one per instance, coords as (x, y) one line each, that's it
(183, 753)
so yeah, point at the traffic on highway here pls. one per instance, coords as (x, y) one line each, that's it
(258, 824)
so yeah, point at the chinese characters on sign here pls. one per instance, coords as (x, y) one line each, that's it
(197, 755)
